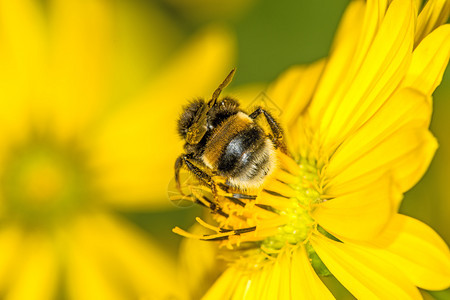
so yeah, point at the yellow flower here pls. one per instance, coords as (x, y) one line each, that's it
(70, 156)
(357, 129)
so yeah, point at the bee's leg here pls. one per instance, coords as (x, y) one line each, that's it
(185, 159)
(206, 202)
(214, 192)
(178, 166)
(277, 131)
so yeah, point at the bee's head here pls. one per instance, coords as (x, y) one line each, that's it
(192, 122)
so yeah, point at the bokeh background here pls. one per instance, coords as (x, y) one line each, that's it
(261, 38)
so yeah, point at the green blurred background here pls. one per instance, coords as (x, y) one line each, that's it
(272, 36)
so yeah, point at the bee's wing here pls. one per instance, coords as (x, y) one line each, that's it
(191, 191)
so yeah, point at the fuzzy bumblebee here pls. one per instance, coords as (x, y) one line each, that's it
(223, 140)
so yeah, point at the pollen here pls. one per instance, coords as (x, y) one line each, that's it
(303, 184)
(277, 215)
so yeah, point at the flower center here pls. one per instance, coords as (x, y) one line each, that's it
(304, 192)
(44, 181)
(278, 214)
(277, 218)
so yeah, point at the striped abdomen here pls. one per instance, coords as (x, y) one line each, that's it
(240, 150)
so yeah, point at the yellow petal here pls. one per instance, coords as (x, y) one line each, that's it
(85, 278)
(417, 250)
(418, 4)
(37, 273)
(293, 90)
(361, 93)
(284, 265)
(411, 168)
(22, 60)
(434, 14)
(241, 289)
(362, 273)
(290, 276)
(361, 214)
(340, 58)
(396, 155)
(223, 288)
(429, 61)
(358, 29)
(136, 148)
(129, 257)
(373, 18)
(146, 36)
(248, 284)
(274, 285)
(195, 71)
(258, 283)
(305, 284)
(11, 241)
(407, 108)
(82, 45)
(198, 263)
(23, 45)
(254, 286)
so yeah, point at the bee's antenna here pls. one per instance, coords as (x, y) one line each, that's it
(199, 128)
(223, 85)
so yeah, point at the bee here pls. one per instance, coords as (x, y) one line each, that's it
(222, 140)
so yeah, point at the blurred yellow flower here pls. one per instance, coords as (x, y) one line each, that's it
(357, 129)
(69, 155)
